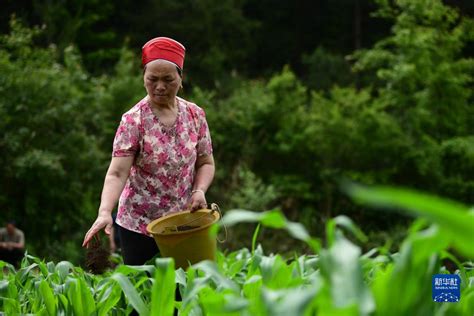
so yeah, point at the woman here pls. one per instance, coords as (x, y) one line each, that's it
(162, 156)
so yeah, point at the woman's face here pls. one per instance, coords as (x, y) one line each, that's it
(162, 82)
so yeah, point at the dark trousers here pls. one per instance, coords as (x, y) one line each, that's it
(137, 248)
(12, 256)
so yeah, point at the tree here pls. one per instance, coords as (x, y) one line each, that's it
(51, 157)
(425, 83)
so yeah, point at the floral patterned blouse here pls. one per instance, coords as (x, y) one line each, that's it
(162, 174)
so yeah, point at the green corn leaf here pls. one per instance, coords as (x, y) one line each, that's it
(454, 219)
(234, 305)
(297, 230)
(12, 290)
(87, 297)
(252, 289)
(10, 306)
(274, 272)
(163, 291)
(210, 270)
(273, 219)
(341, 269)
(180, 277)
(63, 268)
(43, 311)
(24, 272)
(9, 295)
(254, 237)
(128, 270)
(108, 297)
(38, 304)
(74, 296)
(51, 267)
(192, 290)
(131, 293)
(142, 280)
(63, 303)
(43, 268)
(404, 286)
(48, 297)
(221, 303)
(4, 288)
(234, 268)
(80, 297)
(347, 223)
(288, 301)
(236, 216)
(467, 299)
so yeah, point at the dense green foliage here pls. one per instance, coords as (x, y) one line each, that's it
(224, 38)
(49, 122)
(403, 116)
(339, 280)
(251, 37)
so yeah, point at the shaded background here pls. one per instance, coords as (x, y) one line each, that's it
(299, 96)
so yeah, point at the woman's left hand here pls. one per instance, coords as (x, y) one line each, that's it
(198, 200)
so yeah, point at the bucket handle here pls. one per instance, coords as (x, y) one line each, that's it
(215, 208)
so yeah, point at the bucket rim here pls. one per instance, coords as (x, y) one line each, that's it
(163, 218)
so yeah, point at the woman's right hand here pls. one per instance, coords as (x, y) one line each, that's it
(103, 221)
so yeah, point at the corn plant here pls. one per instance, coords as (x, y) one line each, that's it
(337, 279)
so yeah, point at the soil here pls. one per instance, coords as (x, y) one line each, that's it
(181, 228)
(97, 257)
(186, 227)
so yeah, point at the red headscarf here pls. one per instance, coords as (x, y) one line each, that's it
(163, 48)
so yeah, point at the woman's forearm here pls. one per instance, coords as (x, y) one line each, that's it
(113, 187)
(18, 245)
(12, 245)
(114, 183)
(204, 172)
(204, 177)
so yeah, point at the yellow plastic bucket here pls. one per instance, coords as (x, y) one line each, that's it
(185, 237)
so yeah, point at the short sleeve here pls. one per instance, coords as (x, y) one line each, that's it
(127, 137)
(204, 145)
(21, 237)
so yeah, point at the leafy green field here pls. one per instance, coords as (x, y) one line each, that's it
(337, 280)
